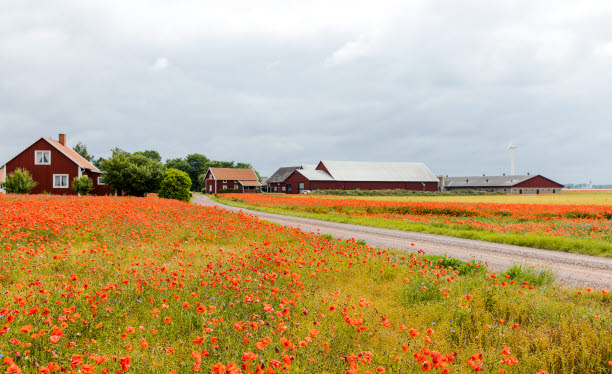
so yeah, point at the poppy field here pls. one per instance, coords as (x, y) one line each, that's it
(568, 227)
(148, 285)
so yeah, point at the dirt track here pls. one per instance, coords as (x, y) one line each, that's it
(571, 269)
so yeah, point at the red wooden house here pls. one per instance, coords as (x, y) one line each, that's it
(53, 166)
(244, 180)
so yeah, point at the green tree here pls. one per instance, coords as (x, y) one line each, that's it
(179, 164)
(20, 181)
(81, 149)
(199, 164)
(82, 185)
(153, 155)
(133, 174)
(176, 185)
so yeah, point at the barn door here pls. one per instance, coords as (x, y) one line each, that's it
(289, 189)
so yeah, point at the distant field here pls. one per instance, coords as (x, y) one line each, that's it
(570, 222)
(575, 197)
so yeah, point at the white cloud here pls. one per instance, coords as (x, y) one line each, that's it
(160, 64)
(350, 51)
(603, 50)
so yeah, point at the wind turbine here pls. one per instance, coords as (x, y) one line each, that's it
(511, 148)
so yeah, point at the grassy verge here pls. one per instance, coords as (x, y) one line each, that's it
(572, 245)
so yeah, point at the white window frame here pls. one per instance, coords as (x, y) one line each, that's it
(225, 186)
(100, 181)
(225, 181)
(61, 175)
(42, 163)
(283, 189)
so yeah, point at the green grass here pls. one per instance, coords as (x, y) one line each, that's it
(572, 245)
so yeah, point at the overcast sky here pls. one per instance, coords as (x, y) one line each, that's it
(448, 83)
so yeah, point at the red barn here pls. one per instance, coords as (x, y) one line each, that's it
(53, 166)
(353, 175)
(244, 180)
(516, 184)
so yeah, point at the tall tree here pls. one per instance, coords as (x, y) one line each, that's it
(179, 164)
(153, 155)
(81, 149)
(199, 165)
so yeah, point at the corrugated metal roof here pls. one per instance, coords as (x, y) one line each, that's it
(379, 171)
(315, 175)
(486, 181)
(282, 174)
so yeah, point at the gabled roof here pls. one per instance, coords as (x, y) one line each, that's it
(249, 183)
(77, 158)
(282, 174)
(379, 171)
(314, 175)
(67, 151)
(234, 174)
(486, 181)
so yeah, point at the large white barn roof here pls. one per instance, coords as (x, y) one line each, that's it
(379, 171)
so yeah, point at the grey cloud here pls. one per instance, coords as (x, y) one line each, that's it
(445, 83)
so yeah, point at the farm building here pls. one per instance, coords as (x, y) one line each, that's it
(353, 175)
(276, 182)
(53, 166)
(244, 180)
(517, 184)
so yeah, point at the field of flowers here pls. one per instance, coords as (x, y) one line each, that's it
(147, 285)
(578, 228)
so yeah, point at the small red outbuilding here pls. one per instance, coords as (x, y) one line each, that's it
(244, 180)
(53, 166)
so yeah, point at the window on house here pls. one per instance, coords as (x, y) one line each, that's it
(225, 186)
(101, 181)
(224, 181)
(42, 157)
(283, 189)
(60, 180)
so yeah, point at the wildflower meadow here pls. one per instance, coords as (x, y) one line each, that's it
(149, 285)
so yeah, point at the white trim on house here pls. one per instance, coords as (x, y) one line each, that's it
(64, 153)
(61, 175)
(100, 181)
(213, 178)
(36, 152)
(80, 174)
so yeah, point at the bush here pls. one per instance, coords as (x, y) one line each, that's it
(82, 185)
(229, 190)
(132, 174)
(176, 185)
(20, 181)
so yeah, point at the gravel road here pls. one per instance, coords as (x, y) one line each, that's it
(571, 269)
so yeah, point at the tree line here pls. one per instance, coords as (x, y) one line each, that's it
(140, 172)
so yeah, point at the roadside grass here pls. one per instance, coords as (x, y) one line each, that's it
(585, 246)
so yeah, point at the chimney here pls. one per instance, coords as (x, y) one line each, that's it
(62, 139)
